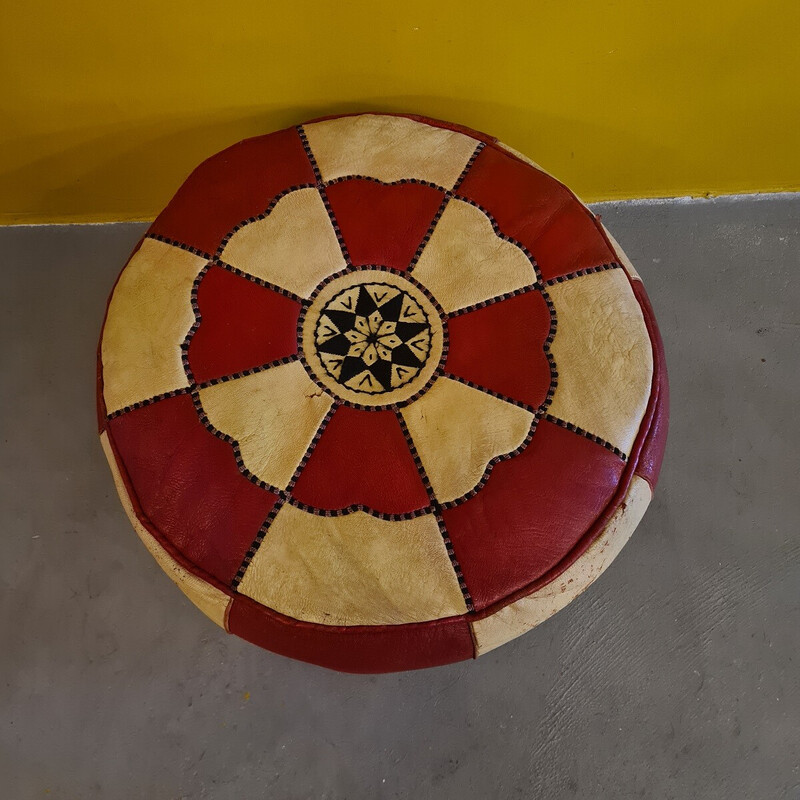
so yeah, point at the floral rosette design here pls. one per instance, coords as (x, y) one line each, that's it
(334, 377)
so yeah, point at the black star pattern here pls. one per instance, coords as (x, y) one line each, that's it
(373, 338)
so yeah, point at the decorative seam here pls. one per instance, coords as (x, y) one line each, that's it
(437, 510)
(320, 184)
(578, 273)
(175, 243)
(263, 215)
(491, 465)
(253, 549)
(581, 432)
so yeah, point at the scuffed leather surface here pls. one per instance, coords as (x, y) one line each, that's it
(354, 570)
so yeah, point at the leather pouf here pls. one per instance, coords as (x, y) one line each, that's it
(379, 393)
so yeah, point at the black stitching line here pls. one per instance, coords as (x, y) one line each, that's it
(263, 215)
(312, 446)
(581, 432)
(491, 464)
(354, 507)
(486, 390)
(437, 510)
(175, 243)
(448, 195)
(475, 153)
(149, 401)
(578, 273)
(324, 194)
(218, 262)
(256, 543)
(428, 233)
(375, 268)
(399, 182)
(499, 233)
(301, 132)
(209, 426)
(531, 287)
(245, 372)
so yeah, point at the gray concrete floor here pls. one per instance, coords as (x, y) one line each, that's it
(675, 676)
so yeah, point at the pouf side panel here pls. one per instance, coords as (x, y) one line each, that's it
(211, 600)
(520, 616)
(231, 186)
(356, 649)
(651, 457)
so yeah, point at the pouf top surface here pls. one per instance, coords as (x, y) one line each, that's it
(379, 393)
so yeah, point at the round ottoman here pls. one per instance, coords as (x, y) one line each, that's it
(379, 393)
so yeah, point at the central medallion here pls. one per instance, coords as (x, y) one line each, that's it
(372, 337)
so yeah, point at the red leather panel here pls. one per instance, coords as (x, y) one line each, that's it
(231, 186)
(533, 510)
(188, 485)
(538, 212)
(383, 648)
(500, 347)
(243, 325)
(362, 458)
(383, 224)
(652, 453)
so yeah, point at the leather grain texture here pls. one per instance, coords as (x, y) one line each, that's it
(372, 385)
(298, 222)
(458, 430)
(520, 616)
(453, 263)
(389, 148)
(354, 570)
(148, 317)
(210, 600)
(605, 357)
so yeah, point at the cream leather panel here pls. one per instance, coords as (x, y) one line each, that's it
(621, 257)
(465, 262)
(353, 570)
(528, 612)
(389, 148)
(457, 430)
(273, 415)
(293, 247)
(603, 356)
(149, 315)
(210, 600)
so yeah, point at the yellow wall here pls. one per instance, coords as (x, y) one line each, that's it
(105, 105)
